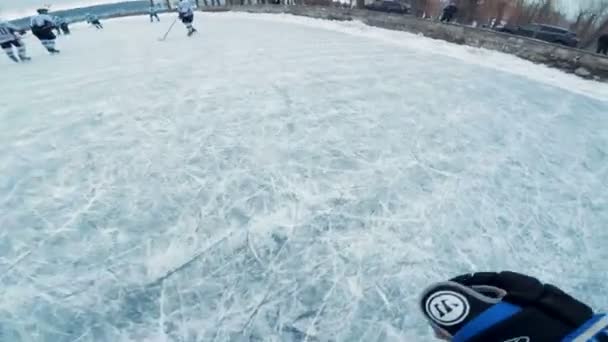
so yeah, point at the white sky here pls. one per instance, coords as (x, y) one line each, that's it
(18, 8)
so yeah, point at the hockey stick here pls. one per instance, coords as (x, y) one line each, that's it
(169, 30)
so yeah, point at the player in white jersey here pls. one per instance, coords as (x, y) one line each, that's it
(154, 13)
(94, 20)
(9, 38)
(61, 25)
(42, 27)
(186, 14)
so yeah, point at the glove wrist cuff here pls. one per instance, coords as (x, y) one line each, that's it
(592, 330)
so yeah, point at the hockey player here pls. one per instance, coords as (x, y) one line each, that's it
(509, 307)
(154, 13)
(62, 25)
(42, 27)
(56, 20)
(94, 20)
(186, 14)
(449, 12)
(602, 44)
(9, 38)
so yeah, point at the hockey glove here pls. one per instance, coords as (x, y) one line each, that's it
(509, 307)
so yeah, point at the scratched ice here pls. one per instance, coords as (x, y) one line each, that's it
(284, 179)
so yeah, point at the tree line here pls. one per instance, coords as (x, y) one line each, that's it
(589, 21)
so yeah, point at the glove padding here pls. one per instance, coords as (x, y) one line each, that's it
(506, 306)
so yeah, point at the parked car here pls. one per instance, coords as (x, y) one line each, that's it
(506, 28)
(388, 6)
(548, 33)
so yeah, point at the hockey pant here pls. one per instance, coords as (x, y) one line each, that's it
(65, 28)
(602, 44)
(8, 49)
(187, 20)
(46, 37)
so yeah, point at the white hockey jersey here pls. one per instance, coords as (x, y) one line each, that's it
(41, 20)
(7, 32)
(185, 8)
(59, 20)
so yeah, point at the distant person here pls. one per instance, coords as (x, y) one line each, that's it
(9, 38)
(154, 13)
(61, 25)
(602, 44)
(42, 27)
(449, 12)
(57, 28)
(186, 14)
(94, 20)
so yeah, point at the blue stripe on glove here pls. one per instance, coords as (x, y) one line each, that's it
(492, 316)
(588, 331)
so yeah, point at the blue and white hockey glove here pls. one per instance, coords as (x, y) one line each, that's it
(509, 307)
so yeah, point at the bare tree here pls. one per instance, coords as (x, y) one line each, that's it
(591, 21)
(419, 7)
(523, 12)
(468, 11)
(500, 13)
(544, 10)
(592, 38)
(432, 8)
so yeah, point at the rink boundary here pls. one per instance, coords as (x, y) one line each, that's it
(582, 63)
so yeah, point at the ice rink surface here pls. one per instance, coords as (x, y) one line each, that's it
(284, 179)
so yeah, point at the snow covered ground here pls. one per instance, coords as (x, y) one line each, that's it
(284, 179)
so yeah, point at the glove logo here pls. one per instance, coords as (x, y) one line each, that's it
(447, 308)
(519, 339)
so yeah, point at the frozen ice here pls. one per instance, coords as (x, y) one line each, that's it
(276, 178)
